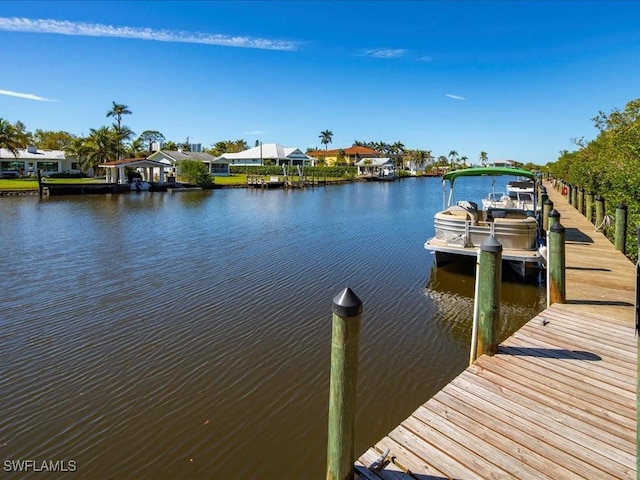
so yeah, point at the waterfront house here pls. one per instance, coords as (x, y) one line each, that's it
(216, 165)
(268, 153)
(348, 156)
(376, 167)
(30, 159)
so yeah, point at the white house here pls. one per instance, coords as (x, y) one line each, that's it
(376, 167)
(30, 159)
(217, 166)
(269, 152)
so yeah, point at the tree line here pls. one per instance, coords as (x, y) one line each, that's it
(110, 143)
(609, 165)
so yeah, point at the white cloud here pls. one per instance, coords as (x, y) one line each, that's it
(385, 52)
(255, 132)
(28, 96)
(28, 25)
(455, 97)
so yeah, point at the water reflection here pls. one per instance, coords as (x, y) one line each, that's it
(452, 286)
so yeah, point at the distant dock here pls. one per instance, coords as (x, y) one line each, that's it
(558, 400)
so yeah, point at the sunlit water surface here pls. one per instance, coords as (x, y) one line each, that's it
(168, 336)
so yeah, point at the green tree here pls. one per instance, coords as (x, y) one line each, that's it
(26, 138)
(117, 110)
(10, 137)
(171, 145)
(453, 156)
(103, 146)
(149, 137)
(79, 148)
(325, 138)
(483, 158)
(194, 172)
(51, 140)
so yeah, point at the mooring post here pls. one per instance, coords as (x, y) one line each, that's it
(488, 294)
(40, 183)
(574, 197)
(542, 196)
(621, 228)
(554, 217)
(556, 287)
(589, 208)
(581, 200)
(600, 214)
(547, 207)
(345, 338)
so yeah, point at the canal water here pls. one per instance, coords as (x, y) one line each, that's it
(168, 336)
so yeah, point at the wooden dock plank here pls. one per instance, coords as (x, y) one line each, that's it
(559, 398)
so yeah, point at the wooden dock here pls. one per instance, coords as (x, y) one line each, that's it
(558, 401)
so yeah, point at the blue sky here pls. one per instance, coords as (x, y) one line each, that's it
(518, 80)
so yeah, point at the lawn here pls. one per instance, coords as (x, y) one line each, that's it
(32, 183)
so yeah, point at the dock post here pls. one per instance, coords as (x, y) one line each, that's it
(621, 228)
(599, 214)
(542, 197)
(487, 302)
(556, 286)
(40, 183)
(554, 217)
(574, 197)
(345, 337)
(589, 208)
(581, 200)
(547, 207)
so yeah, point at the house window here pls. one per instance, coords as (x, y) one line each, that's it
(75, 166)
(48, 166)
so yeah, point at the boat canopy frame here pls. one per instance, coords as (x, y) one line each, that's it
(479, 172)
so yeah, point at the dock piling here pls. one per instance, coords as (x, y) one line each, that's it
(599, 214)
(589, 207)
(581, 200)
(621, 228)
(556, 285)
(345, 339)
(547, 207)
(487, 301)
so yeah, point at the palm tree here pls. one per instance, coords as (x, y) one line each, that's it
(325, 138)
(117, 111)
(483, 158)
(464, 161)
(79, 148)
(10, 137)
(452, 155)
(104, 146)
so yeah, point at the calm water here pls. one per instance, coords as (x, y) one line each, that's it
(188, 336)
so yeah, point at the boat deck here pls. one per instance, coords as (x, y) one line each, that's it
(558, 400)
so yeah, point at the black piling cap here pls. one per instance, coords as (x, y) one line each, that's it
(557, 228)
(347, 304)
(491, 245)
(554, 213)
(548, 201)
(621, 206)
(599, 198)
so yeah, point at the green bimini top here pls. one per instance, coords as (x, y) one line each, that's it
(479, 171)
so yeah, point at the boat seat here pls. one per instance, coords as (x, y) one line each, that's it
(458, 211)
